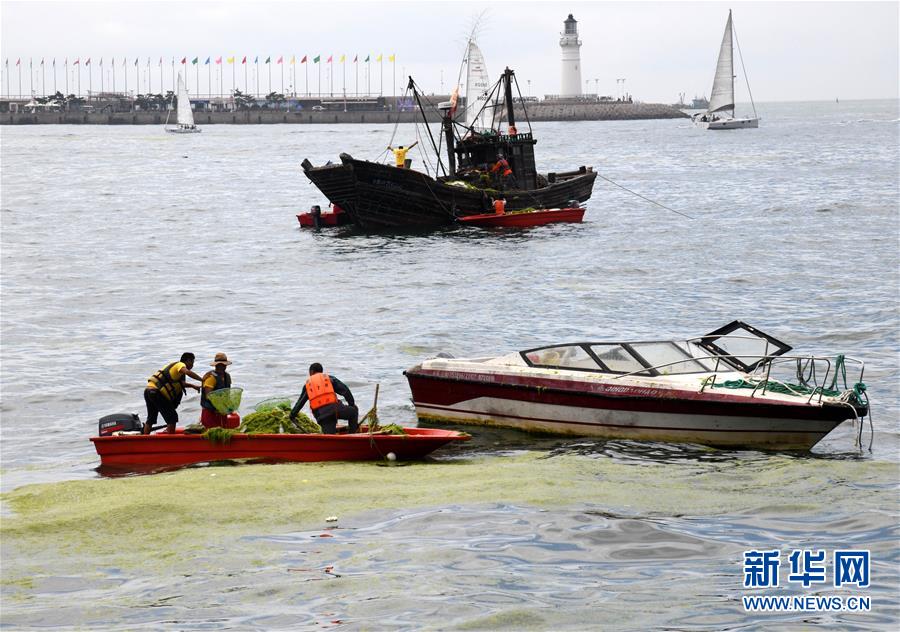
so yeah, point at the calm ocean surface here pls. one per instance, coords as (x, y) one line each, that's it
(124, 246)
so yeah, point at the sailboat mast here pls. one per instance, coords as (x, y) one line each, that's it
(731, 61)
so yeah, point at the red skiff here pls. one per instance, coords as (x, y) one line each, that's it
(336, 217)
(522, 220)
(185, 449)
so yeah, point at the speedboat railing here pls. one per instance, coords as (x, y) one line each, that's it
(807, 370)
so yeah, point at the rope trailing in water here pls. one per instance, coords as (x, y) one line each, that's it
(643, 198)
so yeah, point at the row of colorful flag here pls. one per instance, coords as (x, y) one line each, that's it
(230, 60)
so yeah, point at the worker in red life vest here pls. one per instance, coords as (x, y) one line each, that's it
(321, 391)
(503, 173)
(499, 206)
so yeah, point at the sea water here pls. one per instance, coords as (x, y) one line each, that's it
(122, 247)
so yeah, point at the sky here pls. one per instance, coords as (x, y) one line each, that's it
(792, 51)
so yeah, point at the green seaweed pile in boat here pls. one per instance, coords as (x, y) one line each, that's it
(218, 435)
(277, 420)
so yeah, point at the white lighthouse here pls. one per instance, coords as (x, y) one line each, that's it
(571, 59)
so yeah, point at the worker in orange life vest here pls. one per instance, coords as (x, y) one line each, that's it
(503, 173)
(321, 391)
(499, 206)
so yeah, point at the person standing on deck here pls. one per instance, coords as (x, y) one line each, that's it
(503, 173)
(214, 381)
(321, 391)
(400, 154)
(164, 391)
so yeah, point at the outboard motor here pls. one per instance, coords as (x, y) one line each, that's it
(124, 422)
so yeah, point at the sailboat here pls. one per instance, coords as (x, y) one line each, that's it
(720, 111)
(185, 123)
(477, 116)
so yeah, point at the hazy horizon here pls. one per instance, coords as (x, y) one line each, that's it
(792, 51)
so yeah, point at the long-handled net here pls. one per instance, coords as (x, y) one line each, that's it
(226, 400)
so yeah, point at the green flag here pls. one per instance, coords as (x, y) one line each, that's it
(195, 61)
(316, 59)
(367, 58)
(268, 59)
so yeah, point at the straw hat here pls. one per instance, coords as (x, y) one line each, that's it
(221, 358)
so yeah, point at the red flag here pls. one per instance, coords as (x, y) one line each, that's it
(244, 60)
(18, 61)
(329, 58)
(303, 61)
(184, 60)
(280, 59)
(219, 60)
(77, 61)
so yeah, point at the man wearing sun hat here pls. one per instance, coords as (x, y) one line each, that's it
(213, 381)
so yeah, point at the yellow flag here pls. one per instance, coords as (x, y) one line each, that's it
(343, 58)
(231, 60)
(391, 58)
(292, 60)
(378, 58)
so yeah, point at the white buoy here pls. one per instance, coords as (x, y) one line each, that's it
(391, 456)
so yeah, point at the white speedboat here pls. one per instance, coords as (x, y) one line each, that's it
(185, 124)
(720, 113)
(722, 389)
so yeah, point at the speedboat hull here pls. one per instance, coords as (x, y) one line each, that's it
(163, 449)
(563, 407)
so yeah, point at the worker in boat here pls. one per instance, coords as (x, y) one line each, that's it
(499, 206)
(321, 391)
(164, 391)
(400, 154)
(503, 173)
(214, 380)
(512, 131)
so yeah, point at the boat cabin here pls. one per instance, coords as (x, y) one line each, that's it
(480, 150)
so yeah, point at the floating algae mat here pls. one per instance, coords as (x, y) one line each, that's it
(55, 525)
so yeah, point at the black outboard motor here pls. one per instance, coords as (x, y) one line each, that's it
(126, 422)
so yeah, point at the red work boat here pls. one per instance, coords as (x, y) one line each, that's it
(337, 217)
(127, 450)
(524, 219)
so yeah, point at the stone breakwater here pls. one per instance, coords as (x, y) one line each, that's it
(536, 112)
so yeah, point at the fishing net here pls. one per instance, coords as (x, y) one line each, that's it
(226, 400)
(273, 402)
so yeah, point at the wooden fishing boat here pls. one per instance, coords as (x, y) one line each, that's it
(379, 196)
(525, 219)
(164, 449)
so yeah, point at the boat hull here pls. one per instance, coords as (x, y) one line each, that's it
(525, 219)
(378, 196)
(747, 123)
(163, 449)
(612, 411)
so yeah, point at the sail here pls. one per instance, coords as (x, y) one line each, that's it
(722, 96)
(185, 116)
(477, 85)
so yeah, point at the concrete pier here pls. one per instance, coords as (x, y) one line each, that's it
(543, 111)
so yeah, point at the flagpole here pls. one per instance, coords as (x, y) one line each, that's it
(161, 89)
(320, 77)
(30, 77)
(197, 73)
(269, 64)
(294, 70)
(19, 64)
(209, 92)
(78, 63)
(43, 84)
(233, 80)
(245, 75)
(256, 61)
(356, 61)
(381, 84)
(307, 77)
(113, 71)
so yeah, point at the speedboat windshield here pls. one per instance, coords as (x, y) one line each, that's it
(639, 358)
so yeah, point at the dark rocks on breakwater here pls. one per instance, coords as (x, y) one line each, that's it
(544, 111)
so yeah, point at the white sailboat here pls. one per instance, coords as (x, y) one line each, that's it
(720, 111)
(478, 83)
(185, 123)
